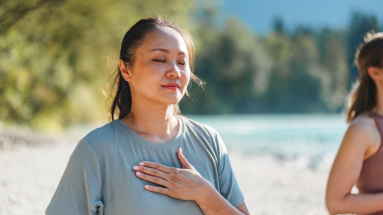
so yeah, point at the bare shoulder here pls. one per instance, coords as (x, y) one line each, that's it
(364, 133)
(363, 120)
(364, 125)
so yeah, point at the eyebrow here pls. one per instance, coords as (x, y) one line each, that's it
(166, 51)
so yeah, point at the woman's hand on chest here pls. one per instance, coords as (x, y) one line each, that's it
(185, 184)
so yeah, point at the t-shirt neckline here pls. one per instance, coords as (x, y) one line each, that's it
(149, 144)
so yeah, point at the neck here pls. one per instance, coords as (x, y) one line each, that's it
(154, 122)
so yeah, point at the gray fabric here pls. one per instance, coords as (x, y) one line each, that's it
(99, 178)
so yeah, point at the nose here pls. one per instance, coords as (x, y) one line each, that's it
(173, 71)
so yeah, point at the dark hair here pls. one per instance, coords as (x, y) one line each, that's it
(132, 40)
(363, 94)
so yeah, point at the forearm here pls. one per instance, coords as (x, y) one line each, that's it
(213, 203)
(357, 204)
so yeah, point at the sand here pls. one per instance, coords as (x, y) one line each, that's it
(273, 187)
(29, 176)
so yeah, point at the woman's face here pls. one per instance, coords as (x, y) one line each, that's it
(161, 69)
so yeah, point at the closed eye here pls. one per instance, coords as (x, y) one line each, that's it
(155, 60)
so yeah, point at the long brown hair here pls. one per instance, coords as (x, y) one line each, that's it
(363, 94)
(132, 40)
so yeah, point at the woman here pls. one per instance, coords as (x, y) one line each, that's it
(360, 157)
(133, 165)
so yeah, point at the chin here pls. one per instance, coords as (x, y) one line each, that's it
(172, 101)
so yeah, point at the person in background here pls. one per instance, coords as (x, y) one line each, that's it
(360, 158)
(151, 160)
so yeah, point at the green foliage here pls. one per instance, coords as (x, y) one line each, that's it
(235, 66)
(54, 59)
(279, 73)
(53, 55)
(361, 23)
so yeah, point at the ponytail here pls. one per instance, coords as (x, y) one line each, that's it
(362, 97)
(123, 99)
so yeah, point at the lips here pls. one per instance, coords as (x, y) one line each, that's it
(171, 86)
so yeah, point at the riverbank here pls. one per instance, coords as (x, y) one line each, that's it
(276, 188)
(30, 175)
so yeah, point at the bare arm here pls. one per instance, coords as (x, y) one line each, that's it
(360, 142)
(187, 184)
(214, 203)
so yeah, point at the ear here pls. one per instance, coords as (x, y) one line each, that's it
(375, 73)
(125, 70)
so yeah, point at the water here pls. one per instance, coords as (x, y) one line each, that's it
(298, 141)
(303, 141)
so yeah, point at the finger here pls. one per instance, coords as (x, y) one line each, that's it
(151, 171)
(157, 189)
(152, 179)
(158, 166)
(184, 162)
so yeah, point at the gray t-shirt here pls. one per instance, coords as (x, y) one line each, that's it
(99, 178)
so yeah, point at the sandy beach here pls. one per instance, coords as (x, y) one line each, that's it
(29, 176)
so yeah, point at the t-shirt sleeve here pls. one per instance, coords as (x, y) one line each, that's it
(229, 188)
(79, 190)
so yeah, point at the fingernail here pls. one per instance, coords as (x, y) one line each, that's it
(139, 174)
(181, 150)
(141, 164)
(147, 187)
(136, 168)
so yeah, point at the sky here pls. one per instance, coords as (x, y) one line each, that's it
(259, 15)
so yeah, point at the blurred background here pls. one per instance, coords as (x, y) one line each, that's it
(277, 72)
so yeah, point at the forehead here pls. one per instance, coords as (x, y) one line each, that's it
(164, 38)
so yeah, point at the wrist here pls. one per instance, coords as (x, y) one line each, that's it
(206, 193)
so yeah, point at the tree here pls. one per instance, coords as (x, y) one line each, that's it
(235, 66)
(53, 58)
(360, 25)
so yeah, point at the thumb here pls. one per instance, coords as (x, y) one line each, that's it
(184, 162)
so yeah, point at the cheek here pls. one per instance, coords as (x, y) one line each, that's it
(146, 81)
(150, 74)
(185, 79)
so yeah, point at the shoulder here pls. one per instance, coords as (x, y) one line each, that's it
(103, 132)
(205, 135)
(199, 128)
(104, 136)
(363, 125)
(362, 133)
